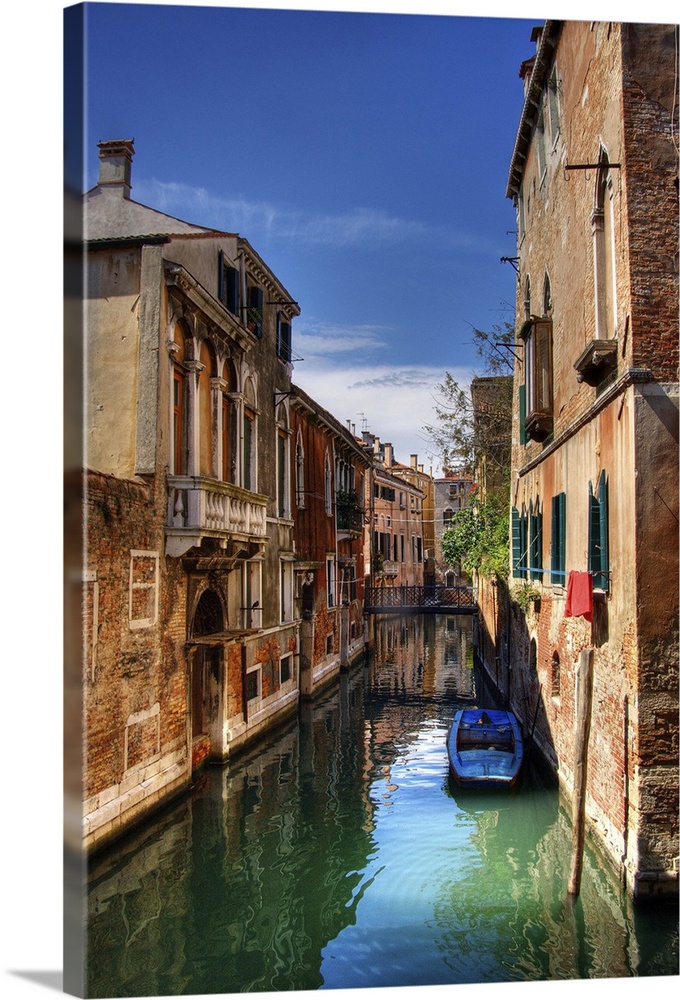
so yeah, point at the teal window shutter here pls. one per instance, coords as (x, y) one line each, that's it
(536, 542)
(594, 551)
(602, 580)
(515, 541)
(558, 539)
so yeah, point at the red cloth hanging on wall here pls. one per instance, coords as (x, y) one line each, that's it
(579, 596)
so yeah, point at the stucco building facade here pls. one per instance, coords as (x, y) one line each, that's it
(594, 479)
(191, 647)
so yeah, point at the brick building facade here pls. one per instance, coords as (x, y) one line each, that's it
(330, 471)
(594, 479)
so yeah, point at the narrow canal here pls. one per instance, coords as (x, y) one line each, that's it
(338, 855)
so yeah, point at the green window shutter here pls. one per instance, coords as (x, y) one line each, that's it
(515, 519)
(522, 414)
(603, 501)
(557, 539)
(523, 554)
(536, 542)
(594, 552)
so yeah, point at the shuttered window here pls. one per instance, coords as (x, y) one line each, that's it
(255, 307)
(228, 285)
(535, 542)
(519, 543)
(558, 539)
(283, 339)
(598, 533)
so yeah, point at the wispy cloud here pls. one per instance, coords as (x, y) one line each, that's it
(360, 226)
(394, 403)
(318, 340)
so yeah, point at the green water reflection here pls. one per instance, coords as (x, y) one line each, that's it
(338, 855)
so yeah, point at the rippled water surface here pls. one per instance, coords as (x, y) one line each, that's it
(338, 855)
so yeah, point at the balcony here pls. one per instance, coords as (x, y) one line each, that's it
(199, 508)
(390, 568)
(349, 515)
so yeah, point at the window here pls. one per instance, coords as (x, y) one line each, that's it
(604, 253)
(286, 668)
(286, 590)
(143, 589)
(179, 448)
(249, 457)
(228, 282)
(253, 685)
(419, 549)
(519, 543)
(535, 542)
(558, 539)
(300, 474)
(403, 549)
(553, 106)
(555, 678)
(520, 215)
(538, 389)
(330, 580)
(282, 463)
(254, 310)
(328, 485)
(284, 339)
(447, 517)
(598, 533)
(540, 146)
(527, 298)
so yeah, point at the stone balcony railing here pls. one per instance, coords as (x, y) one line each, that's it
(200, 507)
(390, 568)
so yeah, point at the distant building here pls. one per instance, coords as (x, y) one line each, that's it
(594, 488)
(451, 494)
(330, 474)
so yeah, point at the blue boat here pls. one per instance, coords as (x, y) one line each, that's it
(485, 748)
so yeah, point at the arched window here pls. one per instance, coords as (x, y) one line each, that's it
(206, 372)
(447, 517)
(604, 252)
(299, 473)
(555, 679)
(179, 449)
(527, 298)
(328, 484)
(249, 449)
(228, 425)
(547, 296)
(282, 463)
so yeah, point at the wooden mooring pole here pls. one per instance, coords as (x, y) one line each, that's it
(584, 701)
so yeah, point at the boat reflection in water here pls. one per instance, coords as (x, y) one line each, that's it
(339, 855)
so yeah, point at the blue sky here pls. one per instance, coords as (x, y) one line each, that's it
(363, 155)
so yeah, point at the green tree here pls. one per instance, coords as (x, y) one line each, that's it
(458, 436)
(473, 433)
(478, 537)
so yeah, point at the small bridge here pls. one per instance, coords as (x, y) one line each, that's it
(420, 600)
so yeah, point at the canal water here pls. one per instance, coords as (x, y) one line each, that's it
(337, 855)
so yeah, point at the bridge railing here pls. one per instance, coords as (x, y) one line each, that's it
(420, 598)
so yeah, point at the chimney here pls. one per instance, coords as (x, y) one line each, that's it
(115, 164)
(414, 461)
(389, 455)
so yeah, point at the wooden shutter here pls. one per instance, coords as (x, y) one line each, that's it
(515, 531)
(557, 539)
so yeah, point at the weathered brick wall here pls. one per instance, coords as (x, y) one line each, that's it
(651, 193)
(134, 669)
